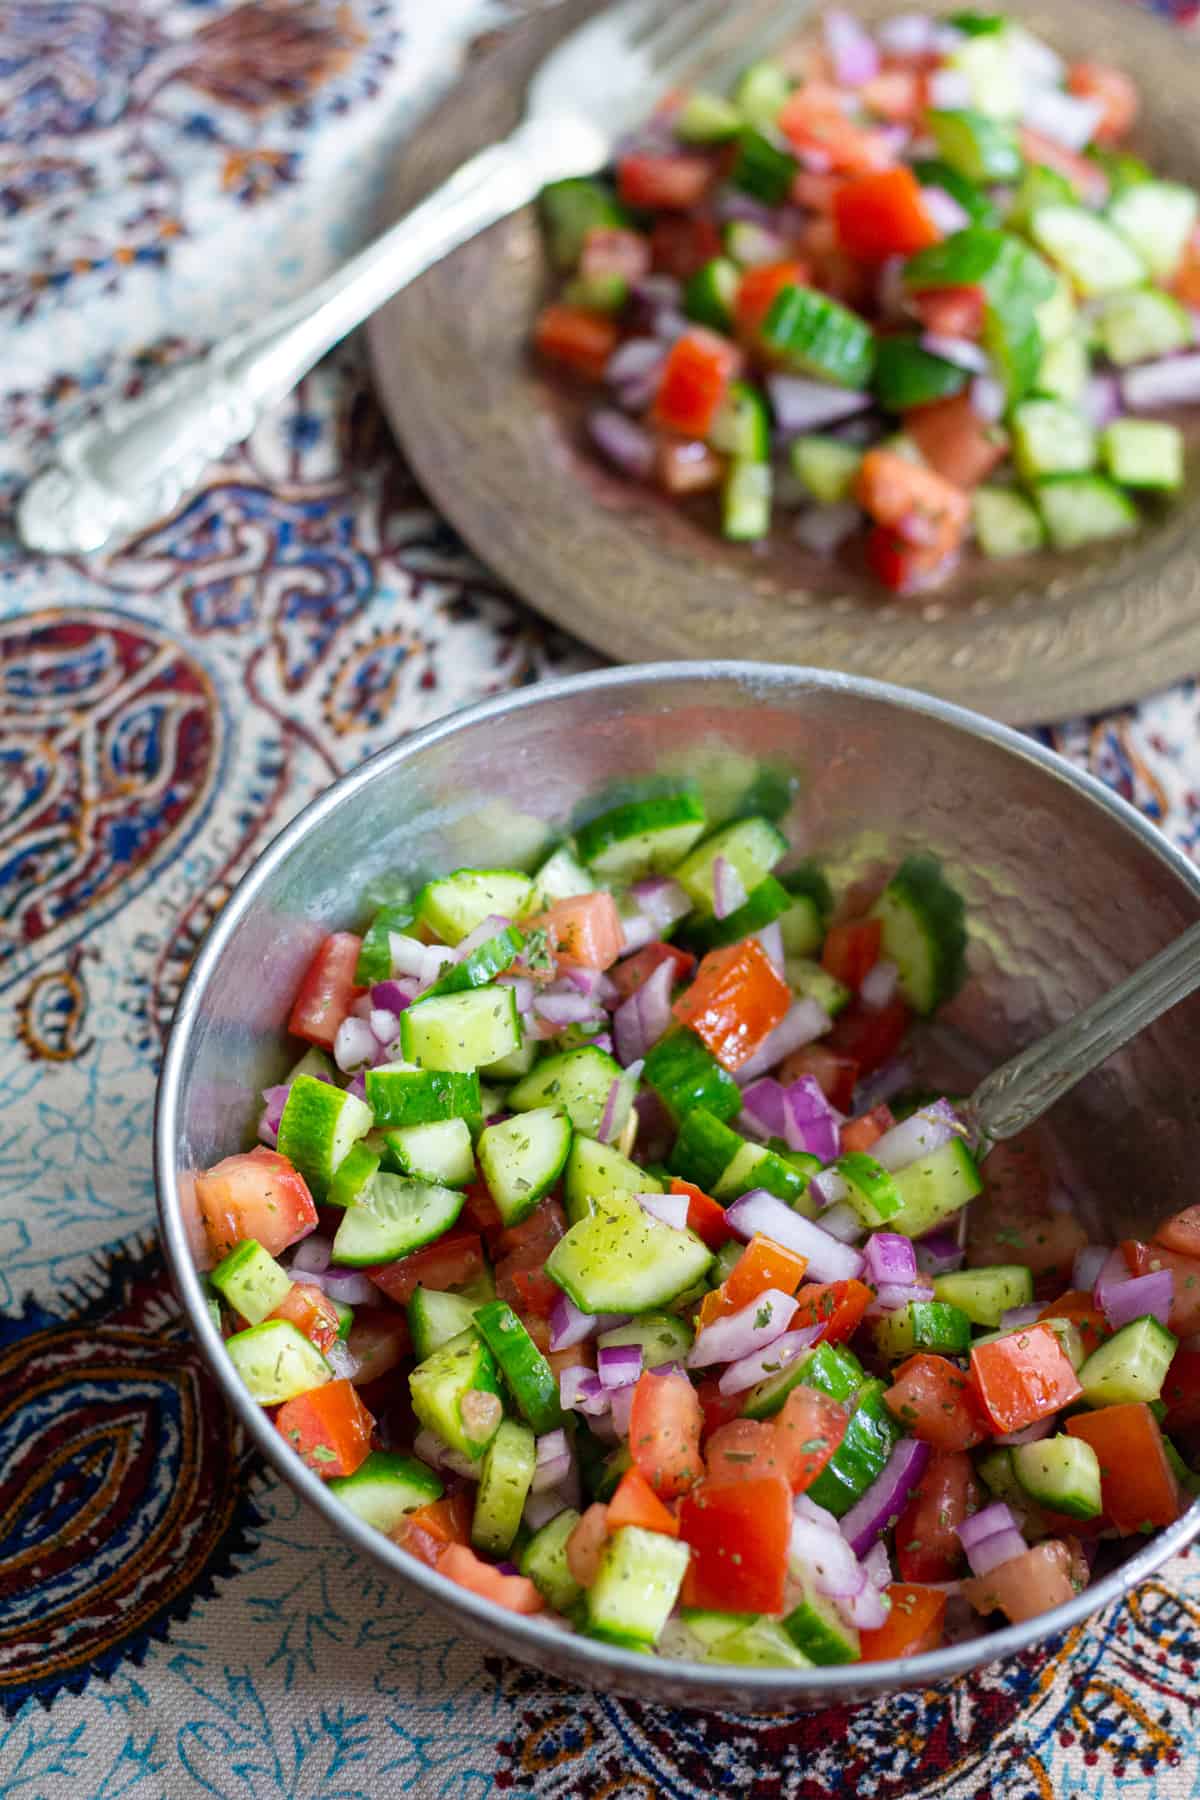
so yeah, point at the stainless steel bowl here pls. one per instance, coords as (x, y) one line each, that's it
(1067, 888)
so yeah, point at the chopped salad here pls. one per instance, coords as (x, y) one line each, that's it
(599, 1251)
(907, 286)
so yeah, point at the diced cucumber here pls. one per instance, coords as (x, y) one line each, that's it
(601, 291)
(908, 375)
(812, 334)
(595, 1171)
(977, 147)
(456, 904)
(746, 501)
(706, 119)
(355, 1171)
(1144, 453)
(974, 200)
(709, 294)
(461, 1032)
(870, 1190)
(1038, 187)
(527, 1374)
(375, 952)
(510, 1068)
(251, 1281)
(829, 1368)
(704, 1149)
(440, 1383)
(399, 1094)
(662, 1337)
(935, 1188)
(987, 64)
(620, 1259)
(756, 1166)
(644, 837)
(636, 1585)
(561, 877)
(386, 1488)
(759, 1644)
(435, 1317)
(393, 1217)
(441, 1152)
(1062, 1473)
(985, 1295)
(276, 1362)
(522, 1158)
(570, 209)
(708, 1628)
(482, 965)
(742, 427)
(686, 1076)
(1058, 316)
(1097, 258)
(762, 167)
(504, 1484)
(923, 1325)
(319, 1124)
(1083, 509)
(1051, 439)
(861, 1456)
(924, 932)
(579, 1082)
(769, 901)
(544, 1562)
(817, 1628)
(827, 467)
(1005, 522)
(760, 92)
(1130, 1365)
(1157, 218)
(1141, 325)
(751, 847)
(726, 1257)
(1063, 371)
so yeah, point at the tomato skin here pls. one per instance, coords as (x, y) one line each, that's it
(757, 290)
(1181, 1233)
(481, 1213)
(452, 1260)
(664, 1432)
(927, 1544)
(680, 244)
(259, 1195)
(837, 1307)
(870, 1035)
(1086, 176)
(913, 1626)
(762, 1265)
(695, 380)
(674, 182)
(1181, 1391)
(738, 1535)
(950, 311)
(1114, 90)
(834, 1074)
(814, 121)
(609, 250)
(427, 1531)
(579, 340)
(1185, 283)
(1025, 1587)
(1023, 1378)
(924, 510)
(735, 1002)
(329, 1429)
(935, 1402)
(586, 1544)
(808, 1431)
(636, 1503)
(632, 972)
(883, 214)
(312, 1312)
(742, 1450)
(1081, 1309)
(956, 443)
(536, 1294)
(1137, 1486)
(867, 1129)
(1143, 1259)
(327, 992)
(903, 568)
(717, 1408)
(515, 1593)
(850, 952)
(895, 94)
(584, 932)
(705, 1217)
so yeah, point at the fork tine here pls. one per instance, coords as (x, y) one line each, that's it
(781, 23)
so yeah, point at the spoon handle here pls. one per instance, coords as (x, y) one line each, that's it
(1022, 1089)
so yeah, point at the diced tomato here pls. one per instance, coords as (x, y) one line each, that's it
(735, 1002)
(687, 466)
(870, 1035)
(1027, 1586)
(536, 1295)
(902, 567)
(312, 1312)
(850, 952)
(1185, 283)
(1046, 1245)
(378, 1342)
(674, 182)
(1083, 1313)
(632, 972)
(956, 443)
(1137, 1486)
(742, 1450)
(705, 1217)
(681, 243)
(1085, 175)
(927, 1543)
(327, 992)
(1115, 92)
(535, 1237)
(586, 1544)
(814, 192)
(1023, 1377)
(924, 510)
(1181, 1232)
(254, 1195)
(329, 1428)
(718, 1408)
(451, 1261)
(580, 340)
(664, 1432)
(636, 1503)
(814, 121)
(428, 1530)
(584, 932)
(808, 1431)
(1143, 1259)
(515, 1593)
(763, 1265)
(896, 95)
(1181, 1391)
(867, 1129)
(883, 214)
(950, 311)
(834, 1074)
(757, 290)
(695, 380)
(611, 250)
(913, 1626)
(934, 1401)
(836, 1306)
(738, 1535)
(481, 1212)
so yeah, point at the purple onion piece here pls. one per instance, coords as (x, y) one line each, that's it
(887, 1496)
(890, 1259)
(759, 1365)
(668, 1209)
(1085, 1271)
(998, 1516)
(740, 1334)
(627, 445)
(828, 1260)
(619, 1365)
(1151, 1295)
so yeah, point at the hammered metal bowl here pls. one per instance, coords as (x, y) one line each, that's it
(1067, 888)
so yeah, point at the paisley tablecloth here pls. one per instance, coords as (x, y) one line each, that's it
(171, 1624)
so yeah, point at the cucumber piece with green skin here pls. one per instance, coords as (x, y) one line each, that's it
(760, 92)
(935, 1188)
(995, 80)
(544, 1562)
(760, 1644)
(687, 1078)
(746, 501)
(769, 901)
(1084, 509)
(572, 208)
(870, 1190)
(1098, 259)
(385, 1488)
(643, 837)
(1057, 317)
(442, 1382)
(504, 1484)
(399, 1094)
(353, 1175)
(706, 119)
(756, 1166)
(578, 1081)
(817, 1628)
(394, 1217)
(723, 1264)
(251, 1281)
(1157, 218)
(442, 1152)
(510, 1068)
(809, 881)
(1144, 453)
(1015, 283)
(527, 1374)
(974, 200)
(930, 1325)
(709, 294)
(1039, 186)
(742, 426)
(636, 1586)
(454, 905)
(561, 877)
(522, 1158)
(1063, 371)
(985, 1295)
(276, 1362)
(212, 1307)
(1130, 1365)
(709, 1627)
(826, 467)
(704, 1149)
(859, 1460)
(1062, 1473)
(1122, 169)
(976, 147)
(907, 375)
(1005, 522)
(319, 1124)
(375, 952)
(435, 1317)
(620, 1259)
(662, 1338)
(828, 1368)
(811, 334)
(762, 168)
(594, 1172)
(461, 1032)
(1142, 324)
(751, 847)
(345, 1319)
(924, 932)
(481, 966)
(1051, 439)
(1187, 1478)
(602, 291)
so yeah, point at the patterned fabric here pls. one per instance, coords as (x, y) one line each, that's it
(170, 1622)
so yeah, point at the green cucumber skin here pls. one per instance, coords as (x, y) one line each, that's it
(421, 1096)
(687, 1077)
(385, 1488)
(870, 1438)
(529, 1376)
(544, 1562)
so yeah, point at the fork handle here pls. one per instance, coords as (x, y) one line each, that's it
(1022, 1089)
(133, 464)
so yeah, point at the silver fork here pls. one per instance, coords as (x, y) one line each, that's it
(138, 460)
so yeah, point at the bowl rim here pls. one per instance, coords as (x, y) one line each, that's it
(765, 1688)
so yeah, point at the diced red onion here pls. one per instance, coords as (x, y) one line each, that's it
(1150, 1294)
(906, 34)
(392, 996)
(358, 1086)
(569, 1326)
(603, 1041)
(1085, 1271)
(946, 40)
(988, 398)
(843, 1223)
(1060, 1199)
(760, 1364)
(1102, 399)
(961, 351)
(886, 1497)
(824, 1556)
(940, 1253)
(655, 1127)
(771, 938)
(892, 295)
(354, 1044)
(867, 1610)
(523, 990)
(669, 326)
(1038, 63)
(1171, 381)
(1014, 1316)
(1113, 1275)
(636, 930)
(895, 138)
(917, 1137)
(1032, 1434)
(621, 1407)
(658, 290)
(540, 1508)
(764, 1112)
(311, 1257)
(430, 1448)
(342, 1361)
(275, 1099)
(804, 1020)
(738, 1334)
(409, 955)
(998, 1516)
(1064, 118)
(800, 405)
(890, 1259)
(561, 1008)
(639, 1022)
(758, 245)
(949, 217)
(486, 929)
(893, 1295)
(619, 1364)
(349, 1287)
(828, 1260)
(663, 901)
(824, 529)
(626, 444)
(729, 890)
(1001, 1547)
(878, 986)
(609, 1128)
(851, 50)
(949, 90)
(580, 1390)
(553, 1463)
(668, 1209)
(384, 1024)
(810, 1123)
(878, 1565)
(594, 983)
(804, 1507)
(828, 1187)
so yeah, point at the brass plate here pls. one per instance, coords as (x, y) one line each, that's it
(497, 443)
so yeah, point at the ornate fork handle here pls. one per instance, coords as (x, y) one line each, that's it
(1022, 1089)
(118, 474)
